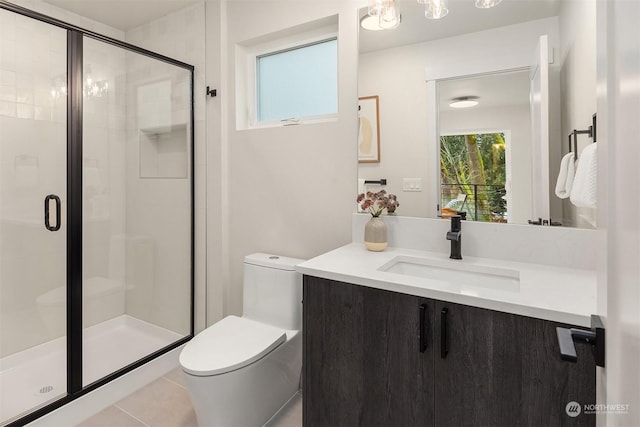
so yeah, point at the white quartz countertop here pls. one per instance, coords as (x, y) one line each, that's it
(546, 292)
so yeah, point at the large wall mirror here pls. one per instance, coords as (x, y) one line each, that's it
(528, 68)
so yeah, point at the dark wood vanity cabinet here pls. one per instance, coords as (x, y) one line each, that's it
(505, 370)
(364, 364)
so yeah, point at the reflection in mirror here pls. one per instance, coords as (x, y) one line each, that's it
(421, 65)
(485, 147)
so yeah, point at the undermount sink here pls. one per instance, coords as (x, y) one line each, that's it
(455, 272)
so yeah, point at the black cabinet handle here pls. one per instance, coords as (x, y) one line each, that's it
(444, 343)
(47, 224)
(423, 328)
(595, 337)
(567, 349)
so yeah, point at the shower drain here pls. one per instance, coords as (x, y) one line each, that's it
(46, 389)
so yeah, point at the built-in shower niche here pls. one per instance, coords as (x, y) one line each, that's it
(162, 129)
(163, 152)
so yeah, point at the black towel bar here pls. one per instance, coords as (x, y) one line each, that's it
(381, 181)
(591, 132)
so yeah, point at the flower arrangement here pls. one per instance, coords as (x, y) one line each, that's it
(376, 203)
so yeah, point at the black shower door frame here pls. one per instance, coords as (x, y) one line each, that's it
(74, 218)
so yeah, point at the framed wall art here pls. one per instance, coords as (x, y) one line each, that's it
(369, 130)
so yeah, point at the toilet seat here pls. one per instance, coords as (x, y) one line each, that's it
(230, 344)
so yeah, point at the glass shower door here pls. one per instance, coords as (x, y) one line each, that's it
(137, 206)
(96, 210)
(33, 176)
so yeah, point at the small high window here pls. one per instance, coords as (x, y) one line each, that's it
(288, 77)
(298, 82)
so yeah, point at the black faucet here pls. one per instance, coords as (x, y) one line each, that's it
(455, 235)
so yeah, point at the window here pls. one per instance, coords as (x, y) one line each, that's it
(288, 74)
(298, 82)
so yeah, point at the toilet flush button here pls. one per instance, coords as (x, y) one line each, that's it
(274, 257)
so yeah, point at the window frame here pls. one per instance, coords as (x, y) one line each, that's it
(287, 121)
(249, 56)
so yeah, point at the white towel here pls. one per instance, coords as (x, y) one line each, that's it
(565, 176)
(584, 192)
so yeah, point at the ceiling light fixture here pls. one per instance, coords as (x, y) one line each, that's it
(434, 9)
(464, 102)
(382, 15)
(371, 23)
(385, 14)
(374, 23)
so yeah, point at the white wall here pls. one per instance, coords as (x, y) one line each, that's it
(216, 245)
(578, 82)
(291, 190)
(398, 76)
(516, 119)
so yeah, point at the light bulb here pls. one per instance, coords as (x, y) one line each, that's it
(436, 9)
(390, 17)
(375, 7)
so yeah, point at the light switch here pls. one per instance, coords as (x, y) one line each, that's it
(411, 184)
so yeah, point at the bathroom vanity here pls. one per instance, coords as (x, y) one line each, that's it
(402, 338)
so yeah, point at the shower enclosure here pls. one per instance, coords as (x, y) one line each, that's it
(96, 210)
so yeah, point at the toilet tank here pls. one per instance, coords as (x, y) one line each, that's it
(272, 290)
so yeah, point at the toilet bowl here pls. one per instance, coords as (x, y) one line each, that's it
(241, 370)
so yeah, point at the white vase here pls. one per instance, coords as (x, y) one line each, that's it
(375, 235)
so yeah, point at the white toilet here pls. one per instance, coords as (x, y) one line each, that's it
(241, 370)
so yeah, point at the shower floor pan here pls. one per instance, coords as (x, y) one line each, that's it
(36, 376)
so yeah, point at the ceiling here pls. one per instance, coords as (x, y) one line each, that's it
(123, 14)
(463, 18)
(494, 90)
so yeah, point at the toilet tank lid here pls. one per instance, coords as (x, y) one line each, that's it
(273, 261)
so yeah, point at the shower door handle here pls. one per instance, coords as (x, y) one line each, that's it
(47, 223)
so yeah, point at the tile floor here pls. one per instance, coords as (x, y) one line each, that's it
(165, 403)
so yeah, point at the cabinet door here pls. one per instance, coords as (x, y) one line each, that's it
(362, 360)
(505, 370)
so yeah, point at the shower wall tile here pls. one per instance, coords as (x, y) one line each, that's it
(7, 109)
(24, 111)
(7, 78)
(42, 113)
(8, 93)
